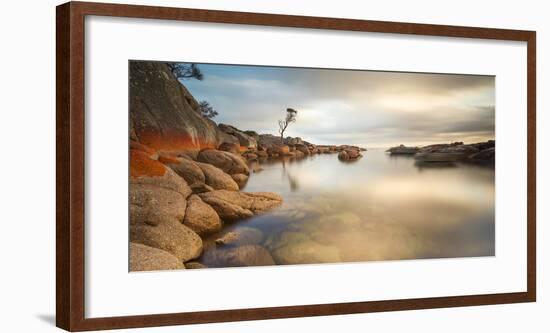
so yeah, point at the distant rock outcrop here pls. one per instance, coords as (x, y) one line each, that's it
(481, 152)
(403, 150)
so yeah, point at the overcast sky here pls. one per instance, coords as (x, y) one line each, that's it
(367, 108)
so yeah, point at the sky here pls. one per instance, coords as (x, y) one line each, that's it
(365, 108)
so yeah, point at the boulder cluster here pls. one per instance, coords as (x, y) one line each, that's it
(253, 146)
(481, 152)
(187, 173)
(176, 200)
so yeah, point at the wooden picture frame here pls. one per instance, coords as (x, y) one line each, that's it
(70, 207)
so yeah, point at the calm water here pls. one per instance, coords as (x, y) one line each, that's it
(380, 207)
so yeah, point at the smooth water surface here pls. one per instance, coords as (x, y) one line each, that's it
(380, 207)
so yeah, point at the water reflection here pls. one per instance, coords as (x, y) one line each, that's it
(420, 165)
(381, 207)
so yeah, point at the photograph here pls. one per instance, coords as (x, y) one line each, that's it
(236, 165)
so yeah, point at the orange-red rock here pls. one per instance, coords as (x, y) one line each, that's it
(142, 165)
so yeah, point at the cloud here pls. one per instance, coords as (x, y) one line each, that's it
(361, 107)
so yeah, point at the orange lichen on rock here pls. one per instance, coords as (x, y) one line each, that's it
(168, 158)
(141, 147)
(173, 141)
(141, 165)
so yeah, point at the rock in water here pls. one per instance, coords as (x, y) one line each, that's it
(278, 150)
(343, 155)
(486, 155)
(146, 258)
(228, 162)
(194, 265)
(241, 256)
(298, 248)
(226, 210)
(241, 236)
(303, 149)
(240, 179)
(217, 179)
(403, 150)
(200, 217)
(232, 205)
(163, 114)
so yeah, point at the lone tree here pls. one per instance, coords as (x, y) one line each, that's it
(207, 110)
(185, 71)
(283, 124)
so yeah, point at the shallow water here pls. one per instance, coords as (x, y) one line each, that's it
(380, 207)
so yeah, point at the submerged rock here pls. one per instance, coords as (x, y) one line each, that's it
(240, 256)
(146, 258)
(298, 248)
(241, 236)
(194, 265)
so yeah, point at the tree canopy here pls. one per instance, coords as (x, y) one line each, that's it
(207, 110)
(184, 71)
(289, 118)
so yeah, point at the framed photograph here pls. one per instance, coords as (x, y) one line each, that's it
(222, 166)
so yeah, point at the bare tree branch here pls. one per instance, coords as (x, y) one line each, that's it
(283, 124)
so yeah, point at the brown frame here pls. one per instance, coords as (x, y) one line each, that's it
(71, 162)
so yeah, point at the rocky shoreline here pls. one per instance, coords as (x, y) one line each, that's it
(186, 176)
(179, 199)
(481, 152)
